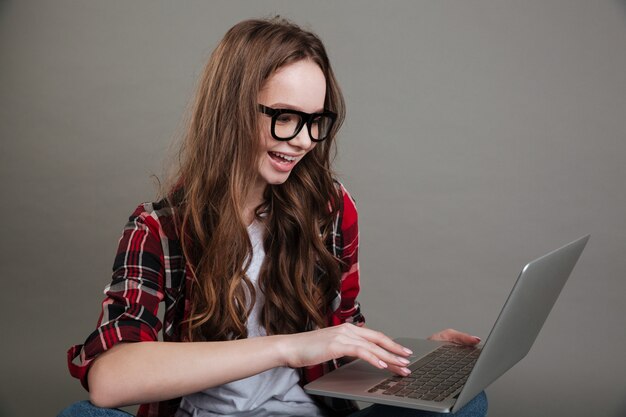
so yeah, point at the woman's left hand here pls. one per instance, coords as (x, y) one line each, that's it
(454, 336)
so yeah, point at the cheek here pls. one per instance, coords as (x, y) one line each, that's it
(265, 142)
(264, 133)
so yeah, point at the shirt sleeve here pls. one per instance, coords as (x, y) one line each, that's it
(349, 309)
(129, 309)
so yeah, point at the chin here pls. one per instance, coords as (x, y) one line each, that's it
(276, 179)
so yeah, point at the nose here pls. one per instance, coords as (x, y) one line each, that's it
(302, 139)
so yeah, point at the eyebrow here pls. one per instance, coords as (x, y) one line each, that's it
(292, 107)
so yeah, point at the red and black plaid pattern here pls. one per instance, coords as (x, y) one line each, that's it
(149, 268)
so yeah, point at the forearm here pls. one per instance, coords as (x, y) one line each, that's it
(134, 373)
(154, 371)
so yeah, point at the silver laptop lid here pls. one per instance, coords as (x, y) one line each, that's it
(524, 313)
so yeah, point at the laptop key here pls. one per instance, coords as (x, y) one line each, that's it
(404, 392)
(392, 390)
(440, 373)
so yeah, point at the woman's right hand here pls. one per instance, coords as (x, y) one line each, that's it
(317, 346)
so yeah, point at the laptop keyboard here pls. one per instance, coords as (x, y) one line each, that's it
(434, 377)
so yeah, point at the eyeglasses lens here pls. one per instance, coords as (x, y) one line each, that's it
(288, 125)
(320, 127)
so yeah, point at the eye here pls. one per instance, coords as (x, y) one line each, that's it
(287, 118)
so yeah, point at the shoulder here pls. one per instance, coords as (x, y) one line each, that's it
(348, 213)
(157, 217)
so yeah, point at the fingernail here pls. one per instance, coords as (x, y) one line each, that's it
(407, 350)
(478, 339)
(404, 361)
(405, 371)
(382, 364)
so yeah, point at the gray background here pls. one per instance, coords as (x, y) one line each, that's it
(480, 134)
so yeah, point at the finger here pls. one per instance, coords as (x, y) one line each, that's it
(365, 354)
(467, 339)
(399, 370)
(382, 354)
(455, 336)
(382, 340)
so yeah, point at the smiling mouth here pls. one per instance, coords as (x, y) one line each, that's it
(282, 158)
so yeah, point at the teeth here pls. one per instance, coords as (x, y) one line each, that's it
(285, 157)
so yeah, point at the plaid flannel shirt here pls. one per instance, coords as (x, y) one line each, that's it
(149, 268)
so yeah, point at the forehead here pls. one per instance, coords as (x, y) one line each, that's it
(300, 85)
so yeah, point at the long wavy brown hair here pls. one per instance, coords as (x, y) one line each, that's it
(218, 165)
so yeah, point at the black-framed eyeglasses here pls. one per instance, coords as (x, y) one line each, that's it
(287, 123)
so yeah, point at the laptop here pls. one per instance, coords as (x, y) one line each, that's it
(446, 376)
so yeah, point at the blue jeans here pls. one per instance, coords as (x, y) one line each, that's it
(475, 408)
(87, 409)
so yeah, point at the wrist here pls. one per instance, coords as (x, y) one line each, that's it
(282, 348)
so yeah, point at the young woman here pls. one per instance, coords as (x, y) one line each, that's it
(253, 253)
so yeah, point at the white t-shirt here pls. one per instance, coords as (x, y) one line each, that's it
(275, 392)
